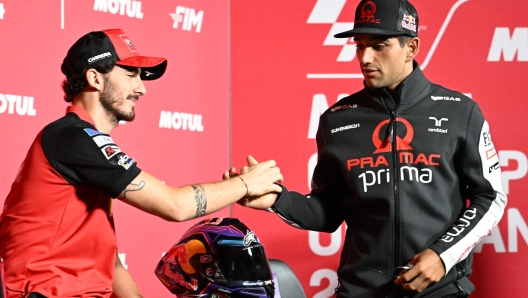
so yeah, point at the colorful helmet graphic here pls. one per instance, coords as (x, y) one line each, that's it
(217, 258)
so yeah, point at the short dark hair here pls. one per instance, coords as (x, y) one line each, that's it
(76, 83)
(403, 39)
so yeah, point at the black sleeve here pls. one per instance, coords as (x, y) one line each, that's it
(83, 155)
(322, 209)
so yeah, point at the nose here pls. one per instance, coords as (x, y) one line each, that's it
(366, 56)
(140, 87)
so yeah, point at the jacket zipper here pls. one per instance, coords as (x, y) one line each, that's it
(392, 139)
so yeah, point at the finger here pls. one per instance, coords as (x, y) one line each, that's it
(251, 161)
(244, 169)
(232, 172)
(268, 163)
(225, 175)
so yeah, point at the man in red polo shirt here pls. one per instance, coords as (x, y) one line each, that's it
(57, 234)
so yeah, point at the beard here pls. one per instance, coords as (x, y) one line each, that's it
(114, 105)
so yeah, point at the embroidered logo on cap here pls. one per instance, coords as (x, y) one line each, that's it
(128, 43)
(409, 22)
(367, 14)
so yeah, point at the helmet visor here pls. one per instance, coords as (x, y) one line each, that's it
(243, 267)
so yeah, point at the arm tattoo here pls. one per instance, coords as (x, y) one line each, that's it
(137, 187)
(201, 200)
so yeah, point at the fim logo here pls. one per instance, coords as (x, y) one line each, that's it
(132, 8)
(188, 17)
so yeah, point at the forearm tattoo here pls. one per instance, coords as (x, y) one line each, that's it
(201, 200)
(134, 187)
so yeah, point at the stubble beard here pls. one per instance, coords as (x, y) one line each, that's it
(111, 103)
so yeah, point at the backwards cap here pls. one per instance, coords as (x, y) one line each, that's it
(384, 17)
(113, 45)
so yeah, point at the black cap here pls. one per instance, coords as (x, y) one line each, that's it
(111, 45)
(384, 17)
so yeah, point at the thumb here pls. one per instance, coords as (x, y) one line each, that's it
(251, 161)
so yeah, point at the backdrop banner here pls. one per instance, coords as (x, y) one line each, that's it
(253, 77)
(288, 69)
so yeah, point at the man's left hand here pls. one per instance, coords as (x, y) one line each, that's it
(428, 268)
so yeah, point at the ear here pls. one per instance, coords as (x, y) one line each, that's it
(413, 46)
(95, 79)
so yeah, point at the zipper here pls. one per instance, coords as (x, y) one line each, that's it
(394, 152)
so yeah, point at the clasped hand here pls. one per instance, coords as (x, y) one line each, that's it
(261, 180)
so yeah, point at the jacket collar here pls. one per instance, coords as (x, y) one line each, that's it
(410, 89)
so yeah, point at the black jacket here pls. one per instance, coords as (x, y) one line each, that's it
(398, 172)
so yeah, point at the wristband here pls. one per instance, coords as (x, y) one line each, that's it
(247, 189)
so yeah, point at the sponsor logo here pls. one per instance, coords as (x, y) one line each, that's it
(447, 98)
(250, 238)
(509, 46)
(181, 121)
(351, 126)
(130, 8)
(343, 107)
(148, 73)
(99, 57)
(367, 13)
(2, 11)
(188, 17)
(102, 140)
(128, 43)
(491, 153)
(92, 132)
(486, 137)
(22, 105)
(414, 165)
(206, 259)
(437, 130)
(438, 122)
(125, 161)
(209, 271)
(122, 159)
(409, 22)
(193, 285)
(494, 167)
(460, 225)
(401, 143)
(109, 151)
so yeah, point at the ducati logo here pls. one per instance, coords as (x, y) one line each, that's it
(401, 143)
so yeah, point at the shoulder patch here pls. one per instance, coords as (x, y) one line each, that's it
(110, 150)
(102, 140)
(92, 132)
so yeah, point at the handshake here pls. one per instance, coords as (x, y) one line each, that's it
(261, 182)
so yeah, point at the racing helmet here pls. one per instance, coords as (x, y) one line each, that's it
(217, 258)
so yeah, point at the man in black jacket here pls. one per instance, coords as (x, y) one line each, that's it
(407, 164)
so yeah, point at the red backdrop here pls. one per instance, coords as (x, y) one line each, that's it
(258, 74)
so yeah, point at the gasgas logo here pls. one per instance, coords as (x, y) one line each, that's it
(374, 170)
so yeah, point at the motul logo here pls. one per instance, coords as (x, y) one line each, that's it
(131, 8)
(509, 46)
(22, 105)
